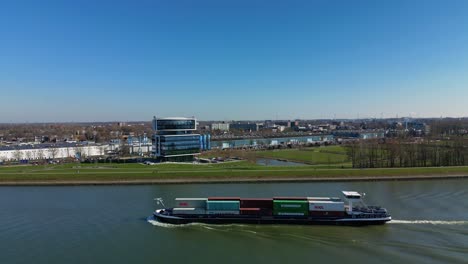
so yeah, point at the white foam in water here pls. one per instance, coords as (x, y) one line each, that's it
(155, 222)
(432, 222)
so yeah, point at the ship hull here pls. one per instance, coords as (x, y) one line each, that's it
(268, 220)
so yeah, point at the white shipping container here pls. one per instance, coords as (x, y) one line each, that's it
(190, 202)
(335, 199)
(223, 212)
(326, 206)
(193, 211)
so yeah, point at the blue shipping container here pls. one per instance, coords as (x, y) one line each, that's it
(222, 205)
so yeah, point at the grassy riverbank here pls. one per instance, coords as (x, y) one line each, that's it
(236, 171)
(323, 155)
(313, 156)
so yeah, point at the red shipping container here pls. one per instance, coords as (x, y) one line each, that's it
(256, 211)
(256, 203)
(223, 198)
(266, 212)
(250, 211)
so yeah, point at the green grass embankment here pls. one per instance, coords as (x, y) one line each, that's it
(324, 155)
(328, 163)
(311, 156)
(229, 171)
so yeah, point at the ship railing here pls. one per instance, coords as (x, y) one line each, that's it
(369, 215)
(370, 209)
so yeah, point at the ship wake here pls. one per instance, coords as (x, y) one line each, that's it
(157, 223)
(430, 222)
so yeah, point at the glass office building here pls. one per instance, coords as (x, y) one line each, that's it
(174, 139)
(165, 125)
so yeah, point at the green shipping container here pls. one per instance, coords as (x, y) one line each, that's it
(295, 207)
(223, 205)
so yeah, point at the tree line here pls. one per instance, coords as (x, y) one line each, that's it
(401, 152)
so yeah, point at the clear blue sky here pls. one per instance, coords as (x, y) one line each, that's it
(130, 60)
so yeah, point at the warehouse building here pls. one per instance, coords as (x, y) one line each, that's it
(220, 126)
(29, 152)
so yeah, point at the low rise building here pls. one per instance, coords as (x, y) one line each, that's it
(245, 126)
(31, 152)
(220, 126)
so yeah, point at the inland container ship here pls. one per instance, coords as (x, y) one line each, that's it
(277, 210)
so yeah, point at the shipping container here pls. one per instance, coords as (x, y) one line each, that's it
(191, 202)
(289, 198)
(335, 199)
(326, 206)
(222, 205)
(291, 214)
(250, 211)
(256, 203)
(260, 211)
(223, 198)
(223, 212)
(280, 207)
(266, 212)
(327, 213)
(190, 211)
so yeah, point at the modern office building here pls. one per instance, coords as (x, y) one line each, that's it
(205, 142)
(175, 139)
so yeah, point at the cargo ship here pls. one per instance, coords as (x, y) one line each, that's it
(277, 210)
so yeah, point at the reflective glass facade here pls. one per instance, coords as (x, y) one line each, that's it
(176, 124)
(179, 145)
(205, 142)
(174, 139)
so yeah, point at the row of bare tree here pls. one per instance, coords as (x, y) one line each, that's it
(99, 132)
(408, 153)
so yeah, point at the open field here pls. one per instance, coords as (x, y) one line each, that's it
(324, 155)
(236, 171)
(313, 156)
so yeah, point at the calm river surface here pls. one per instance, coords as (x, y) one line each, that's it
(108, 224)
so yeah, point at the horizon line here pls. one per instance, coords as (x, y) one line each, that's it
(224, 120)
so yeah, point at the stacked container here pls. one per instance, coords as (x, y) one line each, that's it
(251, 211)
(297, 206)
(188, 211)
(190, 206)
(256, 206)
(278, 206)
(223, 205)
(336, 199)
(191, 202)
(332, 208)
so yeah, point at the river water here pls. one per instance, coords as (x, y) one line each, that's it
(109, 224)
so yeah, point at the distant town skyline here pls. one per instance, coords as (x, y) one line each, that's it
(409, 118)
(89, 61)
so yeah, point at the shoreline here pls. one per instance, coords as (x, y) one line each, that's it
(213, 180)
